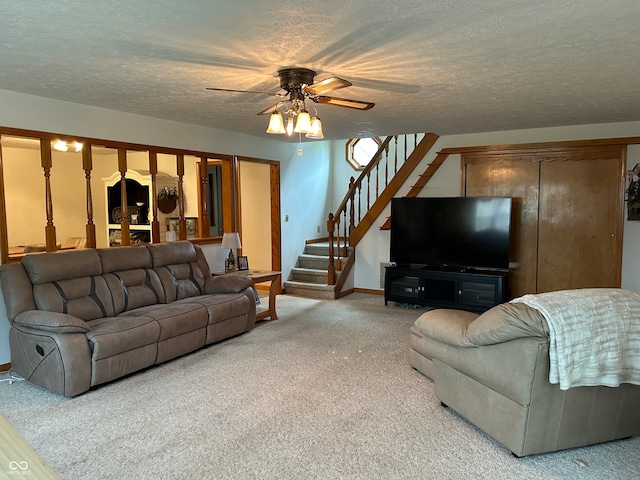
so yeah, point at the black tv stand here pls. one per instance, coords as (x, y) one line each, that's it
(472, 290)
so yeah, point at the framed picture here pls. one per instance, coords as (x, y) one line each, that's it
(243, 263)
(173, 225)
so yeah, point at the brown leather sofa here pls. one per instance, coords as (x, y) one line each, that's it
(81, 318)
(493, 370)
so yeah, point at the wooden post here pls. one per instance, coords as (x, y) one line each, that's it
(203, 220)
(182, 223)
(153, 170)
(331, 269)
(45, 160)
(87, 165)
(125, 233)
(352, 212)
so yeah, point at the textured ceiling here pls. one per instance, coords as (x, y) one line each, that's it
(445, 66)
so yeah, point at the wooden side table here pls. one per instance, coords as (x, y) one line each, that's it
(261, 276)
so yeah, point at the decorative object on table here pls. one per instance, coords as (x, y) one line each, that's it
(230, 241)
(173, 225)
(168, 199)
(633, 193)
(142, 217)
(243, 263)
(116, 214)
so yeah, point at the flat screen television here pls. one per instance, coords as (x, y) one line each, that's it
(454, 233)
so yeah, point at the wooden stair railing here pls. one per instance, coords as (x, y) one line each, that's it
(424, 178)
(393, 155)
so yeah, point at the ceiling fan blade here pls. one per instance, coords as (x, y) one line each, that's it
(326, 85)
(269, 110)
(344, 102)
(277, 94)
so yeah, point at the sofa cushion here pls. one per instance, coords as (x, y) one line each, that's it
(174, 319)
(222, 306)
(131, 289)
(111, 336)
(179, 269)
(505, 322)
(64, 265)
(171, 253)
(446, 325)
(87, 298)
(124, 258)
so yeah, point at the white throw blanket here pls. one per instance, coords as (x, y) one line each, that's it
(594, 335)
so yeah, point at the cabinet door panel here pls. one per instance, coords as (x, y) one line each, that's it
(580, 221)
(516, 178)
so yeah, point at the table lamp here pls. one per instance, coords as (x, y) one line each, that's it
(230, 241)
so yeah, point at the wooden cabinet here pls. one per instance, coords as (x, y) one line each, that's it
(475, 291)
(139, 209)
(567, 213)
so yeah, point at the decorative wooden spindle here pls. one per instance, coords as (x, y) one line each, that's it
(87, 165)
(125, 232)
(182, 223)
(155, 223)
(45, 160)
(331, 270)
(204, 224)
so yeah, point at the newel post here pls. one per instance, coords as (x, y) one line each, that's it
(331, 270)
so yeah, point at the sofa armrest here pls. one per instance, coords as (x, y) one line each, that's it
(505, 322)
(446, 325)
(227, 284)
(51, 322)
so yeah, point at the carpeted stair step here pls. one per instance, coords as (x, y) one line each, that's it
(308, 275)
(316, 262)
(309, 290)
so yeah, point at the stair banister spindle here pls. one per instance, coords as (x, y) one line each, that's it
(395, 156)
(331, 270)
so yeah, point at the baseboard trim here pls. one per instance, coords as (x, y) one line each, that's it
(369, 290)
(5, 367)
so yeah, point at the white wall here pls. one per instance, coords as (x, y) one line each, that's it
(305, 176)
(373, 249)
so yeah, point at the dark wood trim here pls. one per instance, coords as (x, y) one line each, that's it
(97, 142)
(547, 146)
(5, 367)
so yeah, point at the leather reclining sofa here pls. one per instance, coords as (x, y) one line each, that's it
(493, 370)
(81, 318)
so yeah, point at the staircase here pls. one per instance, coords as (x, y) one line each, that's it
(309, 277)
(317, 274)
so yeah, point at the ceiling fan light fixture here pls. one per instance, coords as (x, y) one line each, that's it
(303, 124)
(289, 127)
(276, 124)
(316, 129)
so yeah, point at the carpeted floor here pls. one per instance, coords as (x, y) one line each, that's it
(324, 392)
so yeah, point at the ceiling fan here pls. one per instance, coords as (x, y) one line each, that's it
(298, 85)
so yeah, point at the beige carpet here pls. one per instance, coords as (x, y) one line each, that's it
(324, 392)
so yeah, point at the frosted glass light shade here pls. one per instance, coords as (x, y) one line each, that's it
(303, 124)
(316, 129)
(289, 127)
(276, 124)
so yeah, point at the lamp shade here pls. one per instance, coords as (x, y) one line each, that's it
(289, 126)
(276, 124)
(316, 129)
(303, 124)
(231, 240)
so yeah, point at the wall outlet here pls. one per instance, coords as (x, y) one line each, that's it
(286, 217)
(318, 228)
